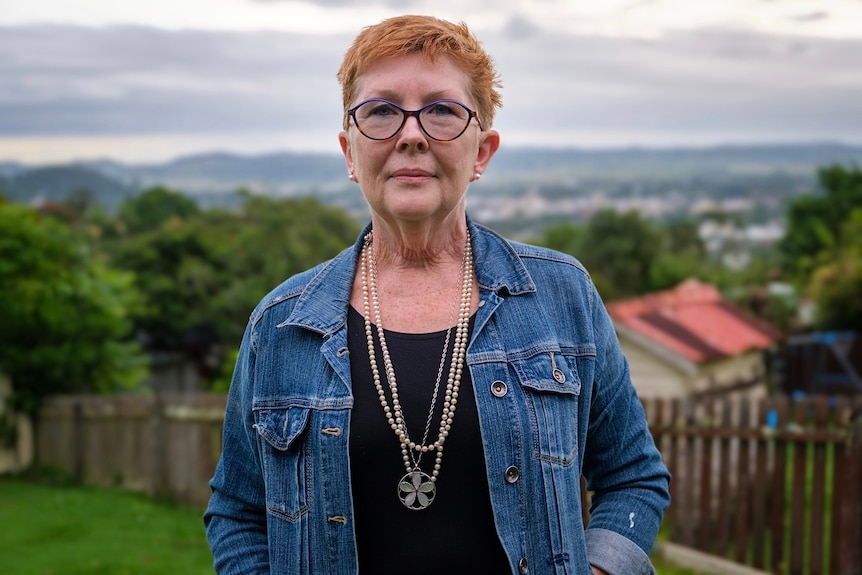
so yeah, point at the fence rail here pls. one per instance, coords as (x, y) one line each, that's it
(166, 445)
(774, 484)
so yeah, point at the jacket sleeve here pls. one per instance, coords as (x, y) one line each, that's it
(235, 519)
(623, 468)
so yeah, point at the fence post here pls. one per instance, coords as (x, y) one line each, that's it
(816, 540)
(854, 443)
(704, 532)
(780, 412)
(742, 518)
(77, 437)
(724, 517)
(796, 465)
(845, 557)
(158, 434)
(673, 442)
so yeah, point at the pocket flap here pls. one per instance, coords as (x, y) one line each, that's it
(538, 373)
(281, 427)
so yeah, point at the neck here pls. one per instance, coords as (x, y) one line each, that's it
(409, 245)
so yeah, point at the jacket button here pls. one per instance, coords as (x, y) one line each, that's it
(499, 389)
(522, 565)
(512, 474)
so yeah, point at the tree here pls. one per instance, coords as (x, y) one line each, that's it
(822, 248)
(814, 221)
(681, 254)
(628, 255)
(565, 238)
(153, 207)
(267, 242)
(65, 324)
(836, 283)
(201, 274)
(620, 248)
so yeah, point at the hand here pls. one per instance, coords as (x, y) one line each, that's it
(597, 571)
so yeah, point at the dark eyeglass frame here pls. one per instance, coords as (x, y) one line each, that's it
(416, 114)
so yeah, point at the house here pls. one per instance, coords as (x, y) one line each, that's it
(690, 340)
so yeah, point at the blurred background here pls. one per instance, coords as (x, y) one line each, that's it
(163, 165)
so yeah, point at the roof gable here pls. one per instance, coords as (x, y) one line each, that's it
(695, 321)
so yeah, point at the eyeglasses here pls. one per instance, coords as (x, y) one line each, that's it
(442, 120)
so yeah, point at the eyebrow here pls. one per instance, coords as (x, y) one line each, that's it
(394, 96)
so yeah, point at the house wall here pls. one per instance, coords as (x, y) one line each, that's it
(651, 376)
(733, 370)
(655, 376)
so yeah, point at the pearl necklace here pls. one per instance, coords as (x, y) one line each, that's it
(416, 489)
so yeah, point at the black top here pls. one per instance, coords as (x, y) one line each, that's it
(456, 533)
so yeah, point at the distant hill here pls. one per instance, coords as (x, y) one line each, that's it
(8, 169)
(56, 183)
(713, 172)
(223, 172)
(668, 163)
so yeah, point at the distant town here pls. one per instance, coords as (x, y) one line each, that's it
(737, 194)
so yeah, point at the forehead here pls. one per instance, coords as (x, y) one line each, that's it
(414, 79)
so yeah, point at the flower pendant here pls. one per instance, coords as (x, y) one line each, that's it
(416, 490)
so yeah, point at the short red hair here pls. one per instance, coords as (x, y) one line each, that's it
(430, 37)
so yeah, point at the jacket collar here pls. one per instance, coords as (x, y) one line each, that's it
(322, 305)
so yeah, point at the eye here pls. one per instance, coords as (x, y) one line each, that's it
(444, 109)
(380, 109)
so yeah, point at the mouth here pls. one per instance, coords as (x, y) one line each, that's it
(411, 175)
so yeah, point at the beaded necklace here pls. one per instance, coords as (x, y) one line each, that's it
(416, 489)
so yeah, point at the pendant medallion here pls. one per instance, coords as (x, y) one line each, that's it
(416, 490)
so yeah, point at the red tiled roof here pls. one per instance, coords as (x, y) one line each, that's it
(695, 321)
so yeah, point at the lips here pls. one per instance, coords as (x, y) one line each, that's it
(411, 173)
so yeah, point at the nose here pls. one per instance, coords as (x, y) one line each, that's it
(411, 134)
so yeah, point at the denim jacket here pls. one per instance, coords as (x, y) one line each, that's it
(281, 500)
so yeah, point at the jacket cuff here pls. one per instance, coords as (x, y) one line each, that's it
(616, 554)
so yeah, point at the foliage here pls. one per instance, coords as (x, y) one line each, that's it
(152, 208)
(822, 249)
(201, 272)
(65, 321)
(836, 282)
(814, 221)
(628, 255)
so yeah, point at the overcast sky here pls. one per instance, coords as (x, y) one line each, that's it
(147, 80)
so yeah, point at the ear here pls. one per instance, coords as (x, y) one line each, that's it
(346, 150)
(488, 144)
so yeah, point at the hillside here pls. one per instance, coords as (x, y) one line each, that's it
(56, 183)
(566, 182)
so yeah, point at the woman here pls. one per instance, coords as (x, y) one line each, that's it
(431, 336)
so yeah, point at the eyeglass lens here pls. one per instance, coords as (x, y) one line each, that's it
(440, 120)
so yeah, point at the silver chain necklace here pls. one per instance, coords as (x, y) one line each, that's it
(416, 489)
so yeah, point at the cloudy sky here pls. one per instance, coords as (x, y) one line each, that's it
(147, 80)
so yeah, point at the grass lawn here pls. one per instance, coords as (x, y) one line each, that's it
(63, 530)
(51, 529)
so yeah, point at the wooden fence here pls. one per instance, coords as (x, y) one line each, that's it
(774, 484)
(166, 445)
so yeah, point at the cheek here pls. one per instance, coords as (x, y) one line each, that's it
(365, 158)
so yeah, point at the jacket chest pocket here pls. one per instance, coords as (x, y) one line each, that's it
(286, 459)
(552, 389)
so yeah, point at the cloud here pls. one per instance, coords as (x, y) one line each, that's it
(120, 79)
(811, 17)
(559, 88)
(403, 4)
(705, 80)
